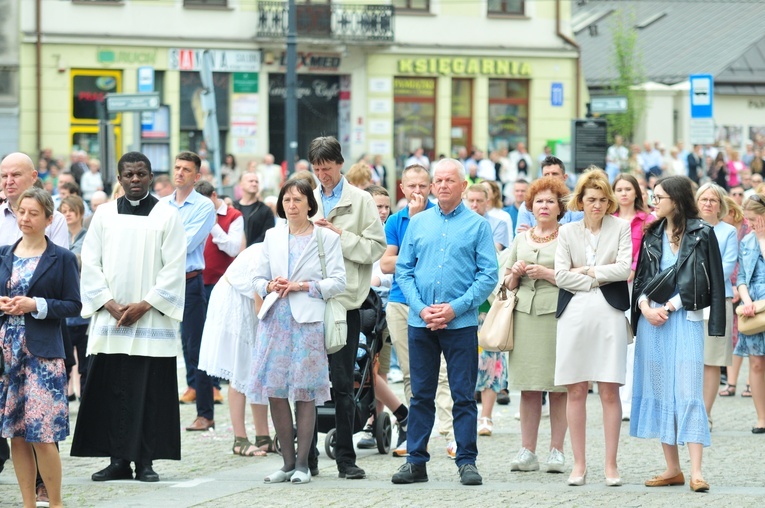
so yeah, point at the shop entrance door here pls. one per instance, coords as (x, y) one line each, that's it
(462, 115)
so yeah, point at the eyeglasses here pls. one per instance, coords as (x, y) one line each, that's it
(657, 199)
(709, 201)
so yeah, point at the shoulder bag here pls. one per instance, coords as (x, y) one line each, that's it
(497, 330)
(335, 315)
(752, 325)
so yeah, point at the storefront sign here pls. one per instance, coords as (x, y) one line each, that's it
(106, 55)
(403, 87)
(245, 82)
(318, 88)
(314, 61)
(224, 60)
(464, 66)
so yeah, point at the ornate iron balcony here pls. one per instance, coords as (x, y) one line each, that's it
(348, 22)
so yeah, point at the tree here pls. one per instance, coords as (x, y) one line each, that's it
(626, 59)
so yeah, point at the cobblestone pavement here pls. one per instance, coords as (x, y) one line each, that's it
(210, 475)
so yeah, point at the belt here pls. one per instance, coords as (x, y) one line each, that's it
(192, 274)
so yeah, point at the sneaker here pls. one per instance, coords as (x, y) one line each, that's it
(525, 461)
(402, 425)
(351, 472)
(367, 441)
(410, 473)
(485, 426)
(555, 461)
(451, 449)
(400, 450)
(545, 410)
(41, 496)
(503, 398)
(395, 376)
(469, 475)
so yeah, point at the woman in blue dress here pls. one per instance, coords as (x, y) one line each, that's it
(39, 287)
(289, 359)
(667, 400)
(751, 287)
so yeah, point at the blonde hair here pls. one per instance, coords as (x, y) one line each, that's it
(360, 175)
(734, 210)
(592, 178)
(755, 203)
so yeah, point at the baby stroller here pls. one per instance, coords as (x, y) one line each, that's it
(372, 326)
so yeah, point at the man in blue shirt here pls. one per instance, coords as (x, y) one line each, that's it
(198, 216)
(477, 200)
(415, 184)
(447, 267)
(650, 160)
(551, 166)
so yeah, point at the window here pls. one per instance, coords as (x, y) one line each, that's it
(205, 3)
(506, 7)
(412, 5)
(508, 113)
(414, 117)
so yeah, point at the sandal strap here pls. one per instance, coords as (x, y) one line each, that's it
(246, 448)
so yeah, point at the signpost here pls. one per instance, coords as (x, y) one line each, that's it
(702, 124)
(556, 94)
(125, 102)
(606, 105)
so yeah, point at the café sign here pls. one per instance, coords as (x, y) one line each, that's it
(464, 66)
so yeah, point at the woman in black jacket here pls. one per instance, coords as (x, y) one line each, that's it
(39, 287)
(667, 402)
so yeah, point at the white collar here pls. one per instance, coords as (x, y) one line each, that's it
(136, 203)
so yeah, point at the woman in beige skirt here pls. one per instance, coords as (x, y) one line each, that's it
(531, 364)
(592, 265)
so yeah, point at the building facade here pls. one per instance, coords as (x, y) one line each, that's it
(384, 77)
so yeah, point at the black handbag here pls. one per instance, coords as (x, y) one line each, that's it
(662, 286)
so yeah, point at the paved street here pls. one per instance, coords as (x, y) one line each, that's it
(209, 475)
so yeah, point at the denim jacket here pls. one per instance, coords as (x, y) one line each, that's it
(748, 252)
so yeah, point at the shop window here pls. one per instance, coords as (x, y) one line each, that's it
(508, 113)
(462, 114)
(514, 7)
(8, 80)
(412, 5)
(414, 117)
(89, 89)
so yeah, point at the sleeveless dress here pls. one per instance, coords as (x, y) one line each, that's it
(33, 395)
(667, 397)
(289, 360)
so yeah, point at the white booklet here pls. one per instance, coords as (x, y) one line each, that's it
(268, 301)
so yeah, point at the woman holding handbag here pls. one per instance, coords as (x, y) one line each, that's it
(667, 400)
(531, 363)
(289, 360)
(751, 287)
(592, 265)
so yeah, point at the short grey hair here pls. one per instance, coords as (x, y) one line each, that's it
(455, 163)
(720, 197)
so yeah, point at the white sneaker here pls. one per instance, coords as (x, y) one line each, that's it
(546, 409)
(485, 426)
(395, 376)
(555, 461)
(525, 461)
(451, 449)
(400, 450)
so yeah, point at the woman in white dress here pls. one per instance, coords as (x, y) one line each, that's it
(227, 343)
(592, 264)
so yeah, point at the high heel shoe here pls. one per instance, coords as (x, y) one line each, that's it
(577, 481)
(613, 482)
(279, 476)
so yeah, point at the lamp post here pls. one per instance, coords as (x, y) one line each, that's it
(290, 105)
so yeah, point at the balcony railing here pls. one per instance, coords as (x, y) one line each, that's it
(350, 22)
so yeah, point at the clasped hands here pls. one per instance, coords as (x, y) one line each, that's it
(127, 315)
(282, 286)
(657, 316)
(437, 316)
(18, 305)
(530, 270)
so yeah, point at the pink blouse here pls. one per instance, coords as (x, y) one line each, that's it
(639, 221)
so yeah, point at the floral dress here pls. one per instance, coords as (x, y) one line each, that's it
(289, 360)
(32, 389)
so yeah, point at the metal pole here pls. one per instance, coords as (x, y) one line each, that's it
(290, 105)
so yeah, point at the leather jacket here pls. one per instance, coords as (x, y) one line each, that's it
(700, 278)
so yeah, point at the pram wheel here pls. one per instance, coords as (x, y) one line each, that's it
(383, 433)
(330, 442)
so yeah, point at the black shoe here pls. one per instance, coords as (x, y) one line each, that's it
(313, 466)
(410, 473)
(503, 398)
(2, 465)
(469, 475)
(352, 473)
(117, 470)
(144, 473)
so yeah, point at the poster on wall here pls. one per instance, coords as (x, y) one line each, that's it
(757, 135)
(731, 135)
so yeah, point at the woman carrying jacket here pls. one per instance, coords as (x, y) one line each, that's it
(667, 401)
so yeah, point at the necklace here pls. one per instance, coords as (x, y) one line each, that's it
(545, 239)
(303, 230)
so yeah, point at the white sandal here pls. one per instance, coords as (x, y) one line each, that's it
(299, 477)
(279, 476)
(485, 426)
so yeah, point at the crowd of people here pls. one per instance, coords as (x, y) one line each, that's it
(662, 252)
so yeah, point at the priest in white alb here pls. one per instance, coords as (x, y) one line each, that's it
(133, 282)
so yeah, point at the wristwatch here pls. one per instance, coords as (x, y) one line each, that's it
(666, 307)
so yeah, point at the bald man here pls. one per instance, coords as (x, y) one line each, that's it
(18, 173)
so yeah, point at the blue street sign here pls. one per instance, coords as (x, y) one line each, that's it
(702, 95)
(146, 79)
(556, 94)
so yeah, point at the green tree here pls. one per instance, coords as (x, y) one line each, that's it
(626, 59)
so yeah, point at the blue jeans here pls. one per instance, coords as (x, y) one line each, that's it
(460, 348)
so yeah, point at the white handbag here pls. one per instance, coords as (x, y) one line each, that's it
(335, 315)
